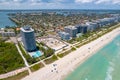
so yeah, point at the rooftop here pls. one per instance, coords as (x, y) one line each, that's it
(71, 27)
(64, 33)
(91, 23)
(27, 29)
(83, 25)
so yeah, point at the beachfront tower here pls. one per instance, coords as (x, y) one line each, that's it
(83, 28)
(64, 35)
(72, 30)
(28, 38)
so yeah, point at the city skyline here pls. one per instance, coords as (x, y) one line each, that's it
(59, 4)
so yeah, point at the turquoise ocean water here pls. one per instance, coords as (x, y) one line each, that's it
(104, 65)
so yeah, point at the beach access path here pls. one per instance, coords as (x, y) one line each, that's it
(59, 69)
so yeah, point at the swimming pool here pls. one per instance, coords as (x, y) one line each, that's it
(37, 54)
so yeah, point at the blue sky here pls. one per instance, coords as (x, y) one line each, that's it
(59, 4)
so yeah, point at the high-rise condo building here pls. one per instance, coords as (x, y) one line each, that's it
(28, 38)
(72, 30)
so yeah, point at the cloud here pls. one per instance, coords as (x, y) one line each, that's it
(61, 1)
(108, 2)
(102, 1)
(98, 1)
(68, 4)
(83, 1)
(116, 1)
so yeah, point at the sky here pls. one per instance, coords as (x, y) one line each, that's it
(59, 4)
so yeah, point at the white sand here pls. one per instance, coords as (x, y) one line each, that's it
(68, 63)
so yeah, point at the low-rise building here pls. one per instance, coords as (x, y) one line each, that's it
(7, 34)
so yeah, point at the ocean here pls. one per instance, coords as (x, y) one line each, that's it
(104, 65)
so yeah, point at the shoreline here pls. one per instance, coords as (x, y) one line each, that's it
(87, 57)
(70, 62)
(13, 20)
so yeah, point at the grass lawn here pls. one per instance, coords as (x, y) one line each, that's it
(65, 53)
(36, 67)
(51, 60)
(29, 59)
(10, 58)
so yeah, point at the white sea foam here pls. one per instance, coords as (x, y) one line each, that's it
(118, 44)
(111, 63)
(119, 54)
(109, 73)
(86, 78)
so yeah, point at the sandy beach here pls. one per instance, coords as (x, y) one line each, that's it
(64, 66)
